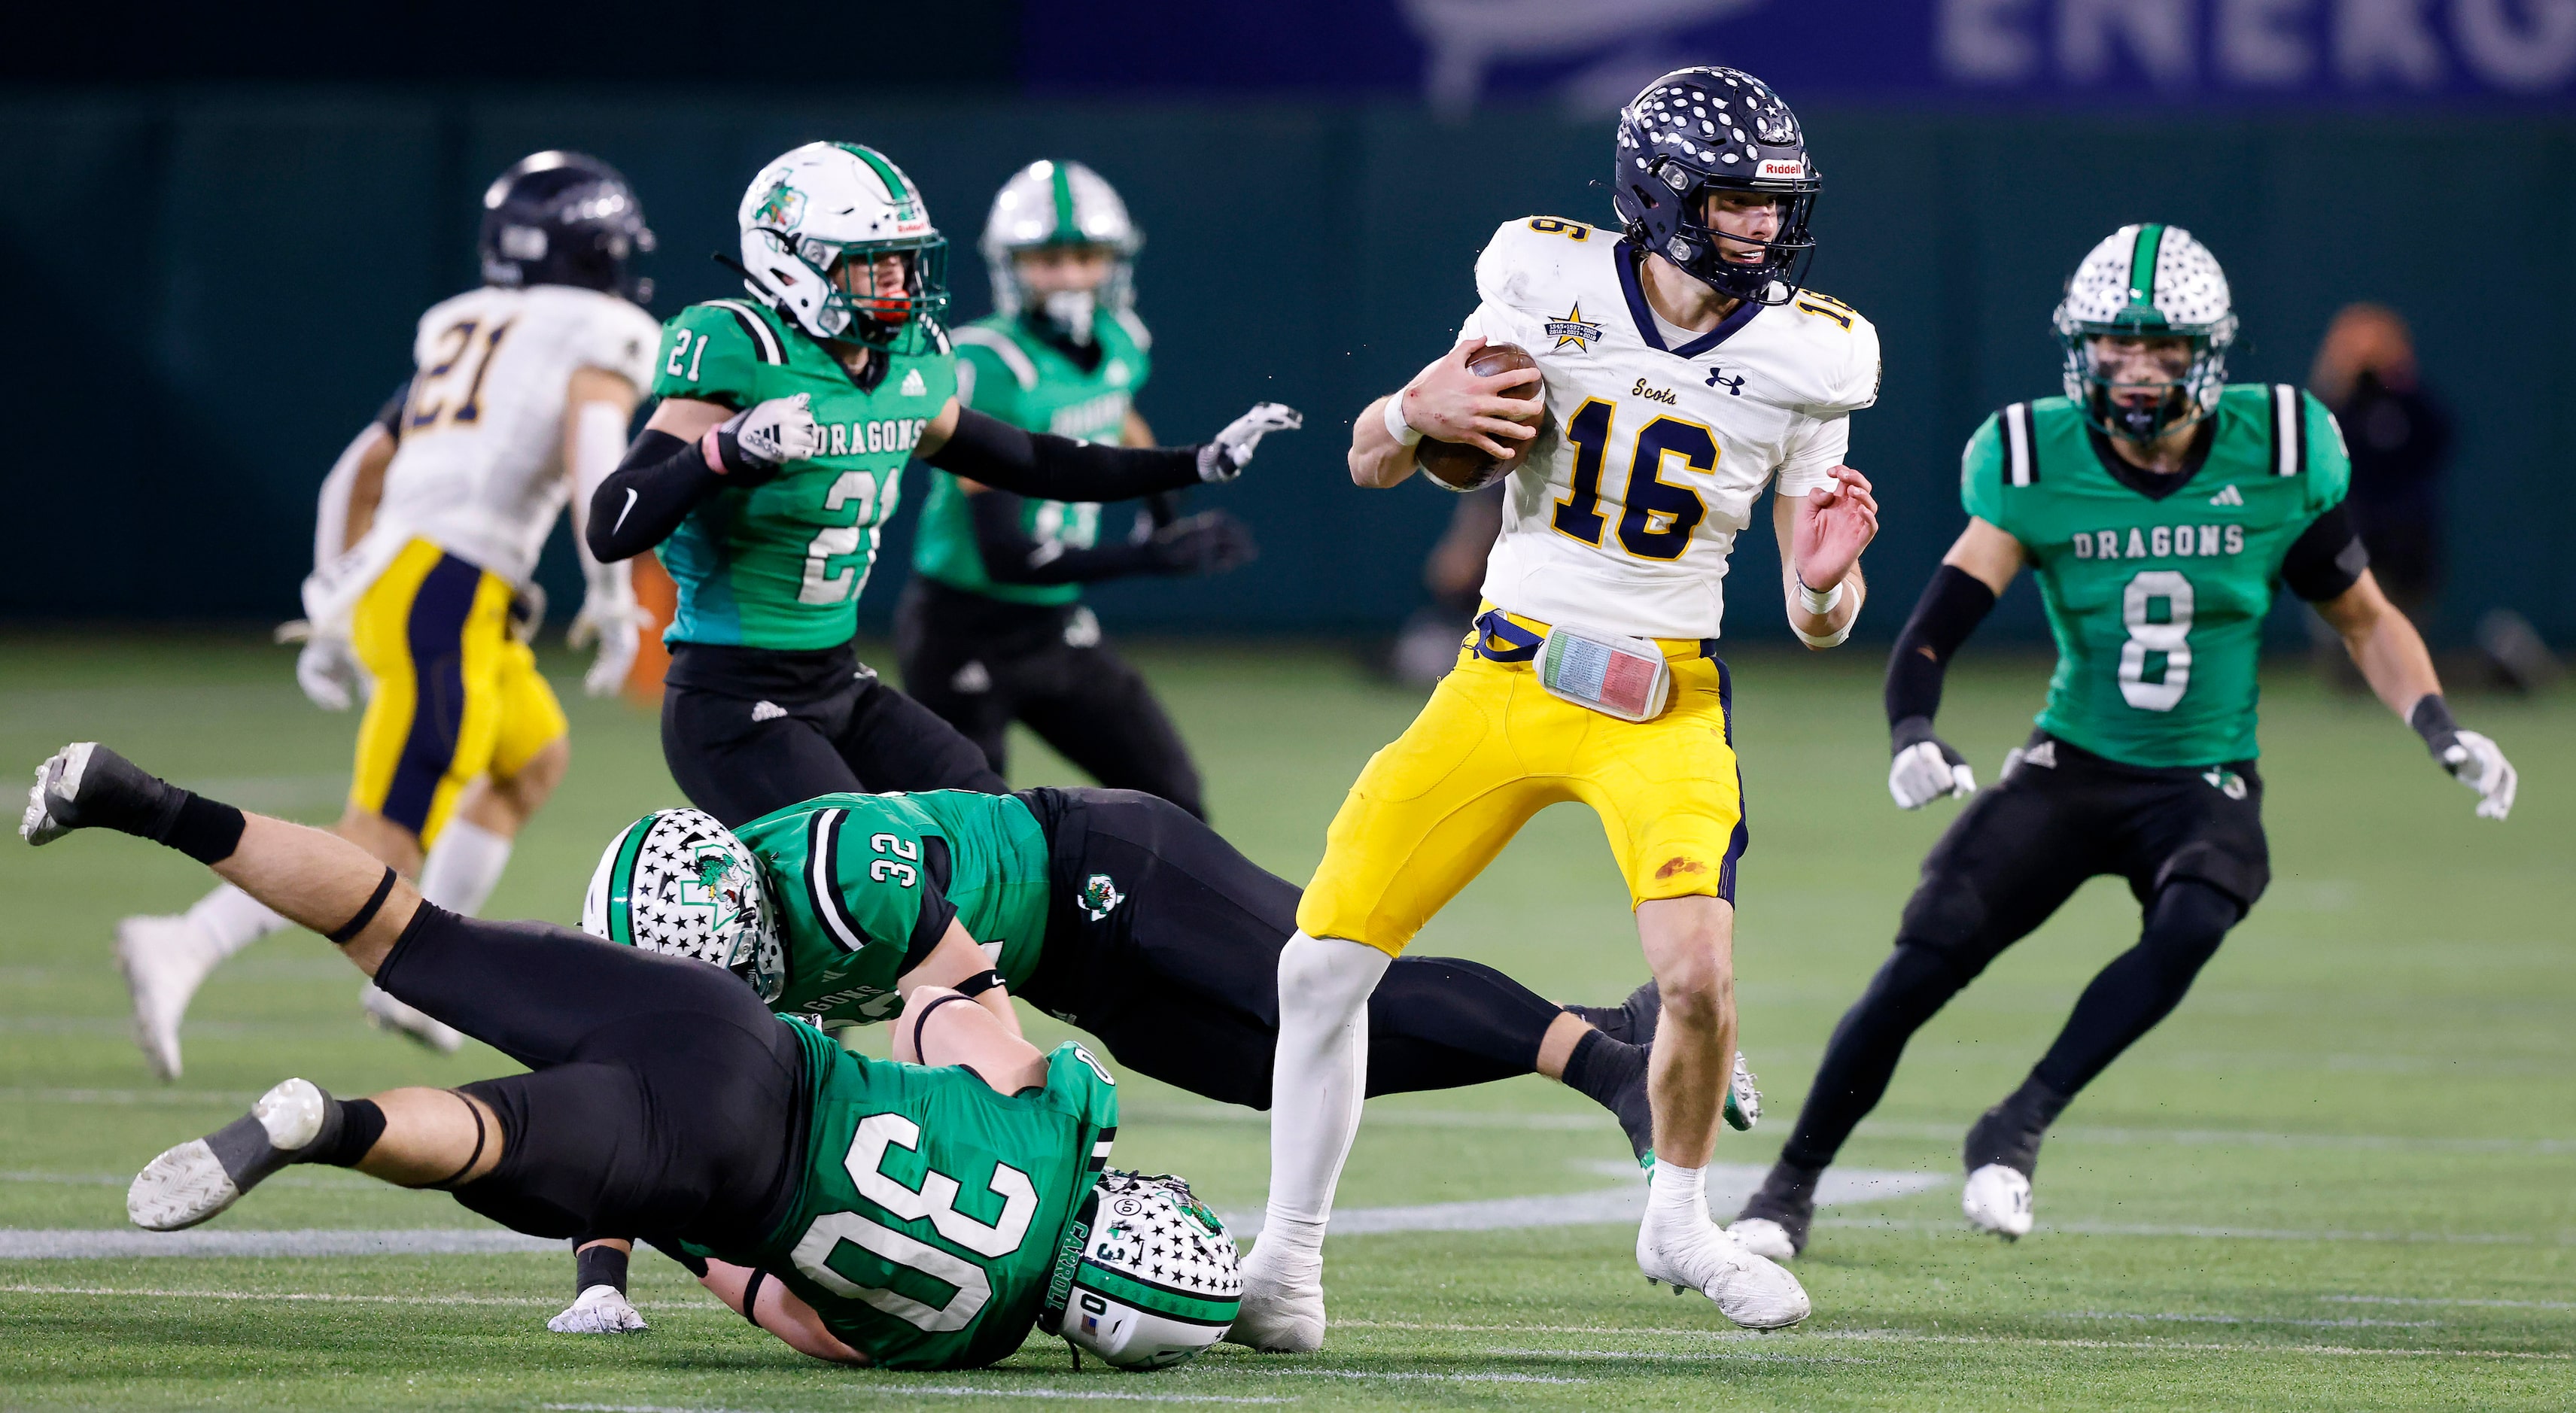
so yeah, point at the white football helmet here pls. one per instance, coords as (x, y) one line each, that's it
(825, 201)
(1060, 203)
(678, 882)
(1146, 1276)
(2147, 281)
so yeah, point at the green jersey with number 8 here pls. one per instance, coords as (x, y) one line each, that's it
(2157, 601)
(863, 883)
(925, 1228)
(781, 565)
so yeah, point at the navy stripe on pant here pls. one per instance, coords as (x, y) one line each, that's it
(435, 634)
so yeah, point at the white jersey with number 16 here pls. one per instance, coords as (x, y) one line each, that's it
(1661, 440)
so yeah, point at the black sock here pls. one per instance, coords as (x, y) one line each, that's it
(600, 1264)
(206, 830)
(118, 794)
(350, 1128)
(1601, 1067)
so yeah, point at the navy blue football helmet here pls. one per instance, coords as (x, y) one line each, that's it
(562, 218)
(1705, 129)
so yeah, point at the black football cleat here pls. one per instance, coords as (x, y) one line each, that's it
(1774, 1221)
(85, 785)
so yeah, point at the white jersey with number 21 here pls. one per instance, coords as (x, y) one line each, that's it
(1660, 441)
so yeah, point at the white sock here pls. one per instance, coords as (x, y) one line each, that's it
(464, 866)
(229, 919)
(1317, 1080)
(1676, 1195)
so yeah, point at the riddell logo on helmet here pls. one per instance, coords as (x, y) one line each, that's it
(1780, 169)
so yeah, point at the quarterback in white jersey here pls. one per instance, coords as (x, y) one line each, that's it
(1684, 370)
(421, 599)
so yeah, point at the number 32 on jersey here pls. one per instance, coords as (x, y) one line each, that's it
(1659, 515)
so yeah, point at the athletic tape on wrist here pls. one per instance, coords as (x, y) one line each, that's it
(1818, 603)
(1404, 432)
(1831, 640)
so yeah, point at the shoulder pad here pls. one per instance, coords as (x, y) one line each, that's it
(2000, 450)
(1528, 253)
(716, 315)
(2307, 442)
(1847, 353)
(1136, 331)
(715, 351)
(984, 345)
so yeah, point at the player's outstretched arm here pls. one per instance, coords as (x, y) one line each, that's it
(1963, 591)
(688, 451)
(778, 1310)
(988, 449)
(1447, 403)
(1821, 536)
(2392, 656)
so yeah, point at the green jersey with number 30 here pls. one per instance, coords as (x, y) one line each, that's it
(2157, 604)
(926, 1225)
(781, 565)
(1006, 370)
(859, 882)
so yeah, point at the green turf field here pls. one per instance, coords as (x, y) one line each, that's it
(2343, 1176)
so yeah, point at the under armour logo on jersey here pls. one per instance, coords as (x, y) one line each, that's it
(767, 711)
(2229, 496)
(913, 386)
(1734, 386)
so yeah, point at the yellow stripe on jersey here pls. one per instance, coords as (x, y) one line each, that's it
(457, 695)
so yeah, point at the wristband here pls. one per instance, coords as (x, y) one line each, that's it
(751, 1297)
(711, 450)
(1816, 603)
(1404, 432)
(2431, 719)
(979, 983)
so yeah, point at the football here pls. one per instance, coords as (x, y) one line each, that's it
(1457, 466)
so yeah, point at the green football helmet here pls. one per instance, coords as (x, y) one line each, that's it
(679, 883)
(1146, 1276)
(830, 208)
(2147, 281)
(1063, 204)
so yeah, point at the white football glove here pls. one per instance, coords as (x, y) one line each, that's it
(1926, 771)
(2474, 761)
(758, 440)
(617, 624)
(1229, 451)
(602, 1309)
(327, 669)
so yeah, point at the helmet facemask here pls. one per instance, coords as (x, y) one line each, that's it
(679, 883)
(1703, 252)
(897, 320)
(2187, 396)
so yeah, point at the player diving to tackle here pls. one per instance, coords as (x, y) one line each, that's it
(2162, 511)
(421, 598)
(863, 1211)
(1685, 369)
(1111, 909)
(777, 454)
(992, 627)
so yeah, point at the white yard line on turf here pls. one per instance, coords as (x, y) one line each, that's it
(2434, 1238)
(2239, 1138)
(2180, 1318)
(226, 1097)
(299, 1295)
(2440, 1300)
(21, 1243)
(1397, 1377)
(894, 1389)
(1911, 1337)
(1739, 1356)
(1728, 1185)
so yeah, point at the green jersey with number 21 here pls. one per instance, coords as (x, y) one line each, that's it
(926, 1226)
(781, 565)
(2157, 604)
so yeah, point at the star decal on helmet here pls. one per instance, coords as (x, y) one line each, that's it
(1573, 328)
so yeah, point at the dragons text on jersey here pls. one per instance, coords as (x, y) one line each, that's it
(780, 566)
(1660, 440)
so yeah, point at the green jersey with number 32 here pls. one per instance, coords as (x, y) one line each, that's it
(781, 565)
(861, 882)
(925, 1228)
(2157, 604)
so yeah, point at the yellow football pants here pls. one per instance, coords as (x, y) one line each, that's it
(457, 695)
(1490, 749)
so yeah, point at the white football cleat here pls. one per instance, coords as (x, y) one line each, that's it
(1282, 1311)
(164, 961)
(203, 1176)
(1997, 1200)
(602, 1309)
(1764, 1238)
(1699, 1255)
(387, 1014)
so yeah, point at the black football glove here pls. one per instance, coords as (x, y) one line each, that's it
(1210, 542)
